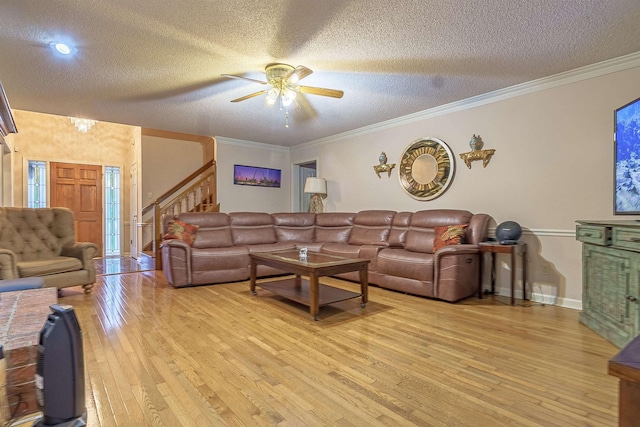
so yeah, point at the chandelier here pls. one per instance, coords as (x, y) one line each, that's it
(83, 125)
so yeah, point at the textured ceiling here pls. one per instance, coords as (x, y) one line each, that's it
(157, 63)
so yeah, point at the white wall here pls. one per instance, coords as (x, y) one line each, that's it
(243, 198)
(553, 165)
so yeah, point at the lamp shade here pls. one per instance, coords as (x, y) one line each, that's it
(315, 185)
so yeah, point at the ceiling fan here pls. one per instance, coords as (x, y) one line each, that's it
(283, 81)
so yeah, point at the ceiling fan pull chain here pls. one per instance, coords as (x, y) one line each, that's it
(286, 118)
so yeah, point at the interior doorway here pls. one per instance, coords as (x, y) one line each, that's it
(301, 171)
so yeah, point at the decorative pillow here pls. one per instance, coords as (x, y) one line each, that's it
(180, 230)
(448, 235)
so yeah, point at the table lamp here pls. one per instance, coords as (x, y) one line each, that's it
(318, 188)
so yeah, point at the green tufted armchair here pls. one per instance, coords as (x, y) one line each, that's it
(41, 243)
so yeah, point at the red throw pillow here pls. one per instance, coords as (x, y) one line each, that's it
(177, 229)
(448, 235)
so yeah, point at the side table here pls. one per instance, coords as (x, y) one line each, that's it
(519, 248)
(626, 366)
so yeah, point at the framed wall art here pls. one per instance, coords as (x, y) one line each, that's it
(256, 176)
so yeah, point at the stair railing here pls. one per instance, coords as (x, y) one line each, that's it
(195, 193)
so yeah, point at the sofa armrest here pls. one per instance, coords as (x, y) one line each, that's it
(8, 266)
(449, 253)
(457, 249)
(176, 262)
(456, 271)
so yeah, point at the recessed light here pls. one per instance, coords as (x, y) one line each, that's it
(62, 48)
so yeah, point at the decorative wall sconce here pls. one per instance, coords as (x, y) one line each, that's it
(477, 153)
(383, 166)
(83, 125)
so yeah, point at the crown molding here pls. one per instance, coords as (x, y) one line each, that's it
(251, 144)
(7, 124)
(572, 76)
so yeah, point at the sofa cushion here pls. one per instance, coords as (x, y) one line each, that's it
(333, 227)
(406, 264)
(181, 230)
(420, 241)
(271, 247)
(214, 229)
(252, 228)
(448, 235)
(44, 267)
(421, 234)
(294, 227)
(370, 227)
(341, 249)
(399, 228)
(230, 258)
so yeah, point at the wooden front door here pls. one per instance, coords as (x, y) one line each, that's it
(79, 188)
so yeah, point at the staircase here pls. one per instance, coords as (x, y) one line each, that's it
(195, 193)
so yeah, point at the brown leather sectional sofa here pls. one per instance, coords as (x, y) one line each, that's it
(400, 246)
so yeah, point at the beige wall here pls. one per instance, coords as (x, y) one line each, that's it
(166, 162)
(240, 198)
(553, 165)
(54, 138)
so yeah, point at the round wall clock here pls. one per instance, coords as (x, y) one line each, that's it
(426, 168)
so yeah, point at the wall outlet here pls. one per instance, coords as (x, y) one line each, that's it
(546, 269)
(149, 195)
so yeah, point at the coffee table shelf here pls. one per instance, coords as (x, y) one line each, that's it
(301, 293)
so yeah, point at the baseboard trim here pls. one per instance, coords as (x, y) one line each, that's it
(552, 300)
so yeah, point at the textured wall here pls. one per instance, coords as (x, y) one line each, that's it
(55, 139)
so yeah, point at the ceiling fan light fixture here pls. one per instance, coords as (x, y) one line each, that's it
(284, 81)
(272, 96)
(288, 96)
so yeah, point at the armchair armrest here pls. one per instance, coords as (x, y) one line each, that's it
(8, 267)
(84, 251)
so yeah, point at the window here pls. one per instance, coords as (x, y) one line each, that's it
(111, 210)
(37, 184)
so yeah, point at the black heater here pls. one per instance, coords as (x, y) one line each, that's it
(60, 370)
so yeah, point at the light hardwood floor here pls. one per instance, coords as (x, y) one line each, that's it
(216, 356)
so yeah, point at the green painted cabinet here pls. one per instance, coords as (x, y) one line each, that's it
(611, 278)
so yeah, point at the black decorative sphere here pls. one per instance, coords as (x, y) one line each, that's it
(508, 233)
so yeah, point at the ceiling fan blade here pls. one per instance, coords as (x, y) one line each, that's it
(251, 95)
(334, 93)
(231, 76)
(297, 74)
(303, 110)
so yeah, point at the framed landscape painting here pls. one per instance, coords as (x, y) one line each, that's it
(627, 159)
(256, 176)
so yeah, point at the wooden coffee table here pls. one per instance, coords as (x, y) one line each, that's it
(309, 291)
